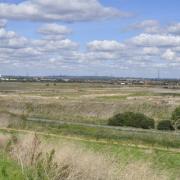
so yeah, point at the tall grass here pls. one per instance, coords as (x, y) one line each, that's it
(71, 162)
(84, 102)
(67, 162)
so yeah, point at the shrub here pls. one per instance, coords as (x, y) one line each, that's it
(176, 117)
(131, 119)
(176, 114)
(165, 125)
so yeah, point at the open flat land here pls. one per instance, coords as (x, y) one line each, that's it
(156, 153)
(83, 102)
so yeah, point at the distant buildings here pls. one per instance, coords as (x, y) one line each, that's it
(165, 83)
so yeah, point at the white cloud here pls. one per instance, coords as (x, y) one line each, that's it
(59, 10)
(20, 51)
(174, 29)
(6, 34)
(9, 39)
(154, 27)
(151, 50)
(148, 26)
(156, 40)
(54, 50)
(54, 45)
(147, 23)
(105, 46)
(169, 55)
(3, 23)
(54, 29)
(177, 49)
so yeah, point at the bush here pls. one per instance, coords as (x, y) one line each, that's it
(165, 125)
(176, 114)
(131, 119)
(176, 117)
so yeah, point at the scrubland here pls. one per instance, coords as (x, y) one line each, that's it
(78, 152)
(92, 103)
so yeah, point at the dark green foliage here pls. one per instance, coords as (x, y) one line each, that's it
(178, 126)
(165, 125)
(176, 117)
(176, 114)
(131, 119)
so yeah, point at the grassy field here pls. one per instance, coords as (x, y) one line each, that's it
(133, 155)
(79, 102)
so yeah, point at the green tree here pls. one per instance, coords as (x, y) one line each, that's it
(176, 117)
(137, 120)
(165, 125)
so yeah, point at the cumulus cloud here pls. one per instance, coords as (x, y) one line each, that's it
(56, 51)
(156, 40)
(105, 45)
(154, 27)
(55, 10)
(54, 29)
(54, 45)
(151, 50)
(6, 34)
(3, 23)
(174, 29)
(20, 51)
(169, 55)
(9, 39)
(148, 26)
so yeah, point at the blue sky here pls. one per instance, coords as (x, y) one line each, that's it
(101, 37)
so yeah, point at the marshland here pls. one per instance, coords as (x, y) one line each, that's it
(61, 131)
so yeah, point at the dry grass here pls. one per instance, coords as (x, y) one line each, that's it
(85, 102)
(140, 171)
(4, 139)
(4, 119)
(72, 162)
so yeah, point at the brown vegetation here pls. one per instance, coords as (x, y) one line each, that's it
(72, 162)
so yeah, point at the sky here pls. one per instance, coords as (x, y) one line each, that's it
(123, 38)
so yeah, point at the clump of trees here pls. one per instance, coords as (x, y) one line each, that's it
(172, 124)
(165, 125)
(131, 119)
(139, 120)
(176, 118)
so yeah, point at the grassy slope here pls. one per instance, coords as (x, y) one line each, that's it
(164, 161)
(168, 162)
(145, 138)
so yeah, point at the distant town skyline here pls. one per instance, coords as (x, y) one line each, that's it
(120, 38)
